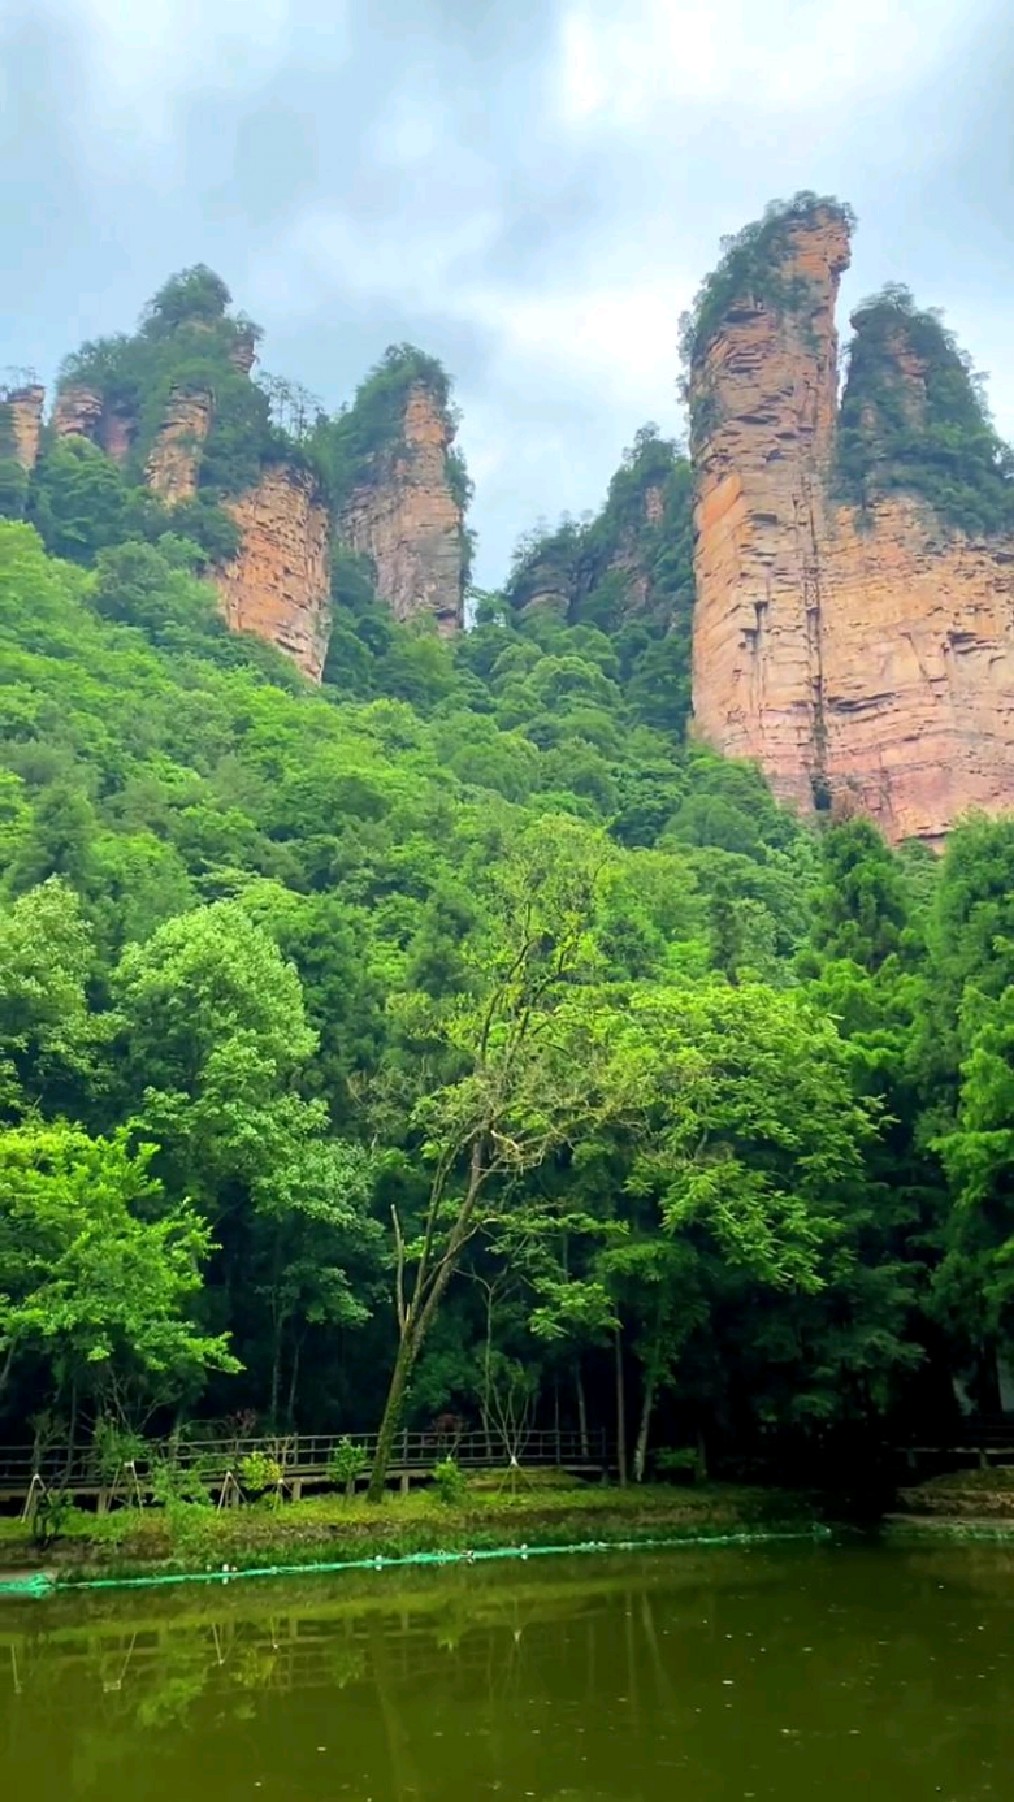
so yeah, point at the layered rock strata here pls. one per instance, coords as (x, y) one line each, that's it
(81, 412)
(172, 468)
(77, 412)
(408, 522)
(23, 408)
(278, 585)
(865, 661)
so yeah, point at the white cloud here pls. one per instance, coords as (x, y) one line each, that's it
(399, 260)
(142, 57)
(540, 218)
(621, 65)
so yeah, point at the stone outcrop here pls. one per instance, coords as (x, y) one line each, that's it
(865, 660)
(22, 407)
(172, 467)
(408, 522)
(81, 412)
(278, 585)
(118, 431)
(77, 412)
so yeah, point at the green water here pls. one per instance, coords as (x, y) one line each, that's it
(810, 1675)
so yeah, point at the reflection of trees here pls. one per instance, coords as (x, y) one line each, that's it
(481, 1643)
(152, 1663)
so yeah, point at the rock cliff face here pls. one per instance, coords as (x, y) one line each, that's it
(172, 467)
(278, 585)
(23, 410)
(864, 659)
(408, 522)
(81, 412)
(77, 413)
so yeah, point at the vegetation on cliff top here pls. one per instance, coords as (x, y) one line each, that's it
(914, 419)
(358, 445)
(628, 571)
(189, 343)
(751, 270)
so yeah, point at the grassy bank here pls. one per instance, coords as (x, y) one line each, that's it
(188, 1536)
(965, 1504)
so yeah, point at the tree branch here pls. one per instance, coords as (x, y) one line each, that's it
(399, 1241)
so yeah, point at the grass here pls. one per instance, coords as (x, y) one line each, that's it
(961, 1499)
(331, 1529)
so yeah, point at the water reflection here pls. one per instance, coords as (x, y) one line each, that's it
(633, 1680)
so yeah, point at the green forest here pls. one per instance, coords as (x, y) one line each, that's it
(458, 1036)
(459, 1023)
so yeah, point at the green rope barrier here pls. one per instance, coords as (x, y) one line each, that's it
(37, 1583)
(43, 1583)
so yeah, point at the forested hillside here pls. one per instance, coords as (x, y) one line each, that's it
(462, 974)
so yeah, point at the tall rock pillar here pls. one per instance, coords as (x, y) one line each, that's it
(406, 519)
(172, 468)
(22, 409)
(763, 393)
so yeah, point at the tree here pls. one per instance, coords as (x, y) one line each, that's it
(748, 1156)
(974, 1285)
(214, 1034)
(78, 500)
(532, 1049)
(315, 1229)
(96, 1276)
(194, 295)
(213, 1024)
(46, 1032)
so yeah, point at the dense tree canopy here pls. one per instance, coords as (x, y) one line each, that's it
(459, 1024)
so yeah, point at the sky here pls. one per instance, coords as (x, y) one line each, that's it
(531, 190)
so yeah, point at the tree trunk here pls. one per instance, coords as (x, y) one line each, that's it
(276, 1371)
(621, 1411)
(582, 1409)
(392, 1415)
(487, 1376)
(290, 1411)
(641, 1448)
(72, 1432)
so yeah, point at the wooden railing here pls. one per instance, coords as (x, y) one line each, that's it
(306, 1456)
(988, 1438)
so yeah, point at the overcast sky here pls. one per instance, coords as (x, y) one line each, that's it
(530, 189)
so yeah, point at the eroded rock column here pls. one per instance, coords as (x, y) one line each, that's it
(763, 396)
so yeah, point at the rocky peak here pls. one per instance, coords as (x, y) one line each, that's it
(175, 406)
(173, 463)
(21, 404)
(848, 635)
(278, 584)
(404, 504)
(81, 411)
(607, 568)
(77, 412)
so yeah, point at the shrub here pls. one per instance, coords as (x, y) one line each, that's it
(346, 1463)
(449, 1481)
(258, 1472)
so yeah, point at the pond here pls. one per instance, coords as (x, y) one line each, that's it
(716, 1676)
